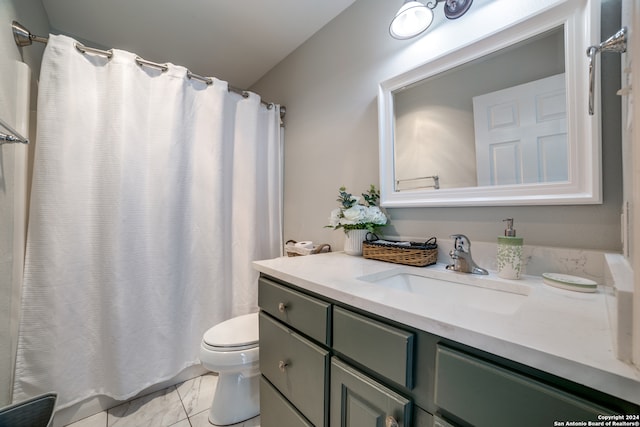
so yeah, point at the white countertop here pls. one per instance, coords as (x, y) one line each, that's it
(561, 332)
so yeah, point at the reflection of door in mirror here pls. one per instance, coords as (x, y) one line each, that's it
(521, 133)
(434, 119)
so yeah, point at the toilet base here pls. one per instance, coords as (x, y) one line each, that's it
(236, 399)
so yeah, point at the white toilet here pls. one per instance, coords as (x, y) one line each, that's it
(231, 349)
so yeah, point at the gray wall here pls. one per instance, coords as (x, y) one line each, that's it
(31, 14)
(329, 86)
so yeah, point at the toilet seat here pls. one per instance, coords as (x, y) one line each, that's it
(237, 334)
(228, 348)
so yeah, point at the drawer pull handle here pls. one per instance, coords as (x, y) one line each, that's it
(282, 365)
(439, 422)
(390, 422)
(282, 307)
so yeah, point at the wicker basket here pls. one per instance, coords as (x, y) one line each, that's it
(413, 253)
(291, 250)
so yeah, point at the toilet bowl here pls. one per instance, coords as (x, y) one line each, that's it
(231, 349)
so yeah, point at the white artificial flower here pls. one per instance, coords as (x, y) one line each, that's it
(375, 215)
(357, 216)
(334, 218)
(353, 215)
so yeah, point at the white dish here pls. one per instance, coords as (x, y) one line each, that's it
(571, 283)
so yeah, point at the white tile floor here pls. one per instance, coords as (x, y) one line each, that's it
(183, 405)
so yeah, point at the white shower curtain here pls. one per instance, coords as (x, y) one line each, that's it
(152, 193)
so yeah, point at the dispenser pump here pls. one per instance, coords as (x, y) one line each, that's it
(509, 259)
(509, 231)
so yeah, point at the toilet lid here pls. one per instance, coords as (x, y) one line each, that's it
(240, 331)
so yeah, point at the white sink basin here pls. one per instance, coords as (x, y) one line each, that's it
(478, 292)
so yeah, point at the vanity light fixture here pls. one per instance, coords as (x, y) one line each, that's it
(414, 17)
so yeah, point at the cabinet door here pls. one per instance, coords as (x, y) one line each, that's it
(360, 401)
(486, 395)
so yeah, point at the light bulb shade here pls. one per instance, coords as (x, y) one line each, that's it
(412, 19)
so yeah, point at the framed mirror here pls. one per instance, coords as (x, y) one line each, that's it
(500, 121)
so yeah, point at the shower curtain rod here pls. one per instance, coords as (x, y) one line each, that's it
(23, 37)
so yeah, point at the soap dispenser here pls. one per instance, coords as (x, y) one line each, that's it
(509, 253)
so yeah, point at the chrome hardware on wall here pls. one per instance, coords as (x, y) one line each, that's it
(615, 43)
(12, 137)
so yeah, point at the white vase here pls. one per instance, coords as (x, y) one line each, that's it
(353, 241)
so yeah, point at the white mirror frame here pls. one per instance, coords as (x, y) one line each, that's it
(581, 20)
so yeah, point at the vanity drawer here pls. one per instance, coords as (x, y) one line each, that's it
(308, 315)
(484, 394)
(276, 411)
(297, 367)
(382, 348)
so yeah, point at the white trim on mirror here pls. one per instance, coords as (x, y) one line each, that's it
(581, 21)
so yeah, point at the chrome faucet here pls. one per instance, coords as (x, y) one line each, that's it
(461, 256)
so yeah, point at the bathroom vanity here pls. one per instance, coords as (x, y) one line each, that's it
(348, 341)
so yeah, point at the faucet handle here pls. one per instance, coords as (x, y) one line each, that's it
(461, 242)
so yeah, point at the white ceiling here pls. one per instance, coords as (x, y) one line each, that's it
(234, 40)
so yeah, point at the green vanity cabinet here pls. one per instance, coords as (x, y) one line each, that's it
(359, 401)
(327, 364)
(302, 384)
